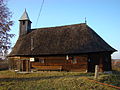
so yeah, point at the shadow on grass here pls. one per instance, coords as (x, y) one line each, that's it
(116, 72)
(40, 78)
(28, 79)
(3, 69)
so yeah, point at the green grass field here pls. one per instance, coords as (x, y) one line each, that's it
(54, 81)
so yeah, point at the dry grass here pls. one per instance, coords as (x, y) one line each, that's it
(48, 81)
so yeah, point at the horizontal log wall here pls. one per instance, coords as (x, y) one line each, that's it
(67, 65)
(101, 59)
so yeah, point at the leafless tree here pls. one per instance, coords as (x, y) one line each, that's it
(5, 24)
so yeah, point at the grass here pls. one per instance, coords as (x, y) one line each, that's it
(112, 79)
(50, 81)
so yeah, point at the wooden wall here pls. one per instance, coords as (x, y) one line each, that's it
(101, 59)
(19, 63)
(83, 62)
(67, 65)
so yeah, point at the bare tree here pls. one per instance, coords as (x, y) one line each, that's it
(5, 24)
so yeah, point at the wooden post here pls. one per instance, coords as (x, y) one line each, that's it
(26, 65)
(22, 65)
(29, 65)
(96, 71)
(18, 65)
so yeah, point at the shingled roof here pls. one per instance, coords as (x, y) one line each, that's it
(24, 16)
(61, 40)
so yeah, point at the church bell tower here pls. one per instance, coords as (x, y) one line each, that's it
(25, 24)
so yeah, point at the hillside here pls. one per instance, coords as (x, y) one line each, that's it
(116, 63)
(116, 60)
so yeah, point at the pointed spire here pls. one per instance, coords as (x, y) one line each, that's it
(25, 16)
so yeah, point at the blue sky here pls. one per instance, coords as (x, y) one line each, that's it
(103, 16)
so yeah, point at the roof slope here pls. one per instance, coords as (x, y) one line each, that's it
(70, 39)
(25, 16)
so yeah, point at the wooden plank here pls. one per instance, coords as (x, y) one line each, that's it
(48, 67)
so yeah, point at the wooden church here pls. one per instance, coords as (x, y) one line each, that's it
(68, 48)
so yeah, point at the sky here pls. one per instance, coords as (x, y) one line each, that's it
(103, 16)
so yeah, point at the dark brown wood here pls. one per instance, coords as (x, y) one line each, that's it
(50, 46)
(84, 62)
(48, 68)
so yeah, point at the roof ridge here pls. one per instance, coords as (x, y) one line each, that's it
(59, 26)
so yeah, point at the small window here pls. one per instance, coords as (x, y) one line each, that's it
(74, 60)
(40, 60)
(23, 22)
(32, 43)
(36, 59)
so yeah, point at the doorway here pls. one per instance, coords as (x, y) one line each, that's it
(91, 65)
(25, 66)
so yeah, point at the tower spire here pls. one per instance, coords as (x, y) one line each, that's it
(25, 24)
(25, 16)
